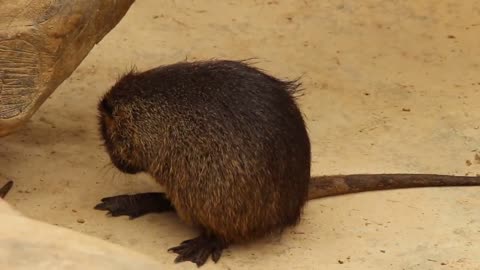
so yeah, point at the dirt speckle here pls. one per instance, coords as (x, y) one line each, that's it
(477, 158)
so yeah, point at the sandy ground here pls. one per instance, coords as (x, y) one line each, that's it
(391, 86)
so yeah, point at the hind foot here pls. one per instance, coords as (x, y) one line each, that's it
(198, 250)
(135, 205)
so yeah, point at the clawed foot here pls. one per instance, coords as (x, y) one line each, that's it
(136, 205)
(5, 189)
(198, 250)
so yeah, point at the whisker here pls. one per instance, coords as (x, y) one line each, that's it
(103, 168)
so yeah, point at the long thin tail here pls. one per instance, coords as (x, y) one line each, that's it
(326, 186)
(5, 189)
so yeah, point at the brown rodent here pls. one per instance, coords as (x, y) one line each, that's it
(229, 144)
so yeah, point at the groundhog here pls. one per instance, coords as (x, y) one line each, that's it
(229, 144)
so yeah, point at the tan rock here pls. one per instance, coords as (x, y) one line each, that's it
(30, 244)
(41, 43)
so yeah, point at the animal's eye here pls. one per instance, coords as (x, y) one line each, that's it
(106, 107)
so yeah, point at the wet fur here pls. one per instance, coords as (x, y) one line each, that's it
(226, 140)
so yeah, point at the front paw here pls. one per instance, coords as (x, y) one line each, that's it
(122, 205)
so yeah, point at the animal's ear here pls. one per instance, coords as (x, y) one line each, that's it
(105, 107)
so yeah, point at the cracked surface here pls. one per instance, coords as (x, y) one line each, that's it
(19, 76)
(41, 44)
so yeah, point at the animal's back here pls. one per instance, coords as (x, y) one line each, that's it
(234, 152)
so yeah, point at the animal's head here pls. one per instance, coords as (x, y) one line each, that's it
(120, 128)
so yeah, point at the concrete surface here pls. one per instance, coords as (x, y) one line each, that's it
(391, 86)
(50, 247)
